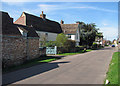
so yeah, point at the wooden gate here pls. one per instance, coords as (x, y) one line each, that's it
(51, 50)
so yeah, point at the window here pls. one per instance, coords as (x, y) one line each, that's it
(46, 34)
(24, 34)
(69, 36)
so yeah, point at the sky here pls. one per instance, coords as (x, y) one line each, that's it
(103, 14)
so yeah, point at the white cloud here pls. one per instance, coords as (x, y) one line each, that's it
(109, 32)
(95, 8)
(105, 24)
(47, 7)
(59, 0)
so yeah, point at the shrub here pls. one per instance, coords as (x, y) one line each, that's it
(70, 44)
(94, 45)
(51, 44)
(61, 39)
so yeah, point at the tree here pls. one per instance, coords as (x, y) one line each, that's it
(51, 44)
(61, 39)
(43, 41)
(87, 34)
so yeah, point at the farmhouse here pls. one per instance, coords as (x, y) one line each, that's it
(45, 28)
(72, 31)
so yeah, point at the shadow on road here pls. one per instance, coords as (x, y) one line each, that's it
(29, 72)
(106, 48)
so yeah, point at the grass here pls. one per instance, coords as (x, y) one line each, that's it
(30, 63)
(82, 51)
(48, 60)
(112, 74)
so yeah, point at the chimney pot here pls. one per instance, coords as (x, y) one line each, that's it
(77, 22)
(43, 16)
(62, 22)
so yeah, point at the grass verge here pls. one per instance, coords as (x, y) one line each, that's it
(30, 63)
(82, 51)
(112, 74)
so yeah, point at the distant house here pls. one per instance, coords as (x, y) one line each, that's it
(72, 31)
(19, 42)
(43, 26)
(115, 42)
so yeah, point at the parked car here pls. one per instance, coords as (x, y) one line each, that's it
(113, 45)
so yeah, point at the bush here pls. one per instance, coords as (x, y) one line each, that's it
(106, 45)
(94, 45)
(51, 44)
(97, 46)
(65, 44)
(61, 39)
(70, 44)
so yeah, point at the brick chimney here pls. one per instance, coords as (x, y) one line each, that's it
(77, 22)
(43, 15)
(61, 22)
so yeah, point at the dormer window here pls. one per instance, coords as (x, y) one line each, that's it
(24, 34)
(46, 34)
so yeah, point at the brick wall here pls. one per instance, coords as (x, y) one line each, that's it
(16, 50)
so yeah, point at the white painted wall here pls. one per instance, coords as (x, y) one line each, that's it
(50, 36)
(72, 37)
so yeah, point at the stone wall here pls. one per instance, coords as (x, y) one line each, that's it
(42, 51)
(33, 48)
(16, 50)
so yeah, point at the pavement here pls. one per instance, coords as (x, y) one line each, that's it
(87, 68)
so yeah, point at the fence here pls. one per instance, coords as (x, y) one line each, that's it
(51, 50)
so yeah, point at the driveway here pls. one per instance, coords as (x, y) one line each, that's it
(87, 68)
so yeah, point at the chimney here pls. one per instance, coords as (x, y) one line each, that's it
(43, 16)
(11, 20)
(77, 22)
(61, 22)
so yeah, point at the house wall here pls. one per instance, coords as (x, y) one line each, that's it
(16, 50)
(46, 36)
(73, 37)
(50, 36)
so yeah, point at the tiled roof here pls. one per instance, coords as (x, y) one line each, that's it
(69, 28)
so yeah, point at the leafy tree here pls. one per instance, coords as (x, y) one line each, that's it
(87, 34)
(51, 44)
(61, 39)
(43, 41)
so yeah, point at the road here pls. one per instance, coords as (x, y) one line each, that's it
(87, 68)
